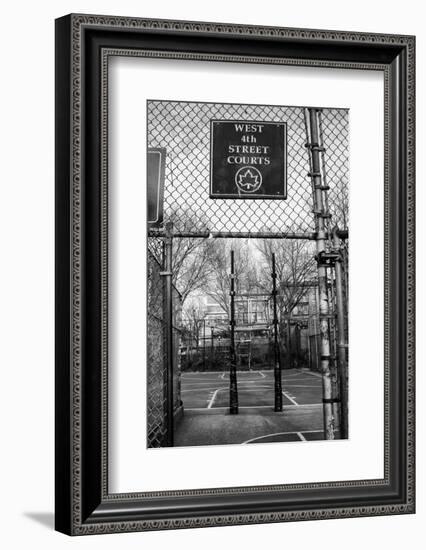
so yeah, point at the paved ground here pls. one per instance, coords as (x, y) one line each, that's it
(207, 420)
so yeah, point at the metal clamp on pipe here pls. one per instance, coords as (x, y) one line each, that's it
(327, 259)
(315, 147)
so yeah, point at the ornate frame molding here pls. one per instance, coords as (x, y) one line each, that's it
(86, 507)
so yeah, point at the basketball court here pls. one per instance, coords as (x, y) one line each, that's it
(206, 418)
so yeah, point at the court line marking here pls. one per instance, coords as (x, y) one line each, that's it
(193, 381)
(198, 379)
(315, 374)
(214, 388)
(241, 382)
(209, 406)
(300, 386)
(281, 433)
(290, 398)
(293, 380)
(226, 387)
(262, 373)
(307, 405)
(284, 377)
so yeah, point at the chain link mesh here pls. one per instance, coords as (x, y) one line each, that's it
(156, 348)
(184, 130)
(156, 364)
(334, 131)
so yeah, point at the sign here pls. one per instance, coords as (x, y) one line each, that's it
(156, 162)
(248, 159)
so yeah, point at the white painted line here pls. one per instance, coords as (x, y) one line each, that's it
(280, 433)
(198, 379)
(300, 386)
(211, 388)
(305, 405)
(212, 382)
(214, 388)
(292, 383)
(209, 406)
(301, 380)
(257, 388)
(315, 374)
(290, 398)
(302, 438)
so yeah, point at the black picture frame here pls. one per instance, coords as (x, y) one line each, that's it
(83, 504)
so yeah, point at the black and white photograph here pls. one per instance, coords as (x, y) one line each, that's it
(248, 273)
(209, 275)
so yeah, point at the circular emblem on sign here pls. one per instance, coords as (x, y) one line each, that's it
(248, 179)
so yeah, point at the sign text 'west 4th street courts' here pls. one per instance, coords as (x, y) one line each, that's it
(248, 159)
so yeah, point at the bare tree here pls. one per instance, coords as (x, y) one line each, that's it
(295, 268)
(191, 255)
(193, 321)
(191, 264)
(219, 284)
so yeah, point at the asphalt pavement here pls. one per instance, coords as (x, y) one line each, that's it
(207, 421)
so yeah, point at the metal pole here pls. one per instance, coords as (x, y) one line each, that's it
(204, 343)
(289, 347)
(211, 343)
(314, 147)
(168, 322)
(297, 339)
(233, 389)
(309, 350)
(333, 346)
(341, 343)
(277, 362)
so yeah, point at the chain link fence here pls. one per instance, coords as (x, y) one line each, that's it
(157, 408)
(183, 130)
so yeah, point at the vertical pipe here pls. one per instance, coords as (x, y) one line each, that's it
(297, 340)
(341, 343)
(277, 362)
(211, 344)
(288, 332)
(333, 352)
(204, 343)
(314, 146)
(168, 320)
(233, 390)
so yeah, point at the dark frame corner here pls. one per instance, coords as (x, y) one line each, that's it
(83, 505)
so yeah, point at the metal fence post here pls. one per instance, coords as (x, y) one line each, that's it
(233, 389)
(277, 360)
(168, 322)
(320, 213)
(333, 345)
(211, 343)
(341, 342)
(204, 343)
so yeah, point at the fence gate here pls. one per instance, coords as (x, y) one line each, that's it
(305, 236)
